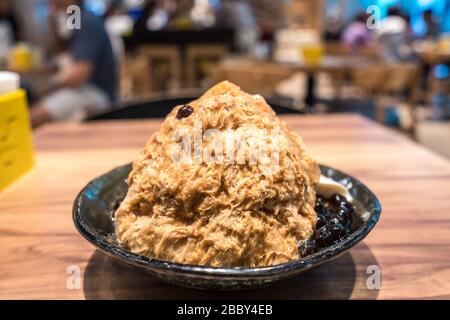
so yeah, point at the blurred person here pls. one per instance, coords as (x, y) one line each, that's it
(203, 14)
(117, 24)
(395, 22)
(357, 35)
(394, 37)
(239, 16)
(9, 35)
(433, 28)
(88, 86)
(8, 30)
(152, 18)
(334, 21)
(159, 18)
(181, 17)
(8, 20)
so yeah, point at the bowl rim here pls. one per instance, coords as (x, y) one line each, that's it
(103, 243)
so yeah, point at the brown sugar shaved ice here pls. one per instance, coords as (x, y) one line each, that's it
(219, 214)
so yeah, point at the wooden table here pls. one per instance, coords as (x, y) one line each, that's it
(411, 243)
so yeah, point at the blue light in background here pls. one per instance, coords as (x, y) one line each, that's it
(41, 11)
(441, 71)
(415, 8)
(418, 26)
(215, 4)
(97, 7)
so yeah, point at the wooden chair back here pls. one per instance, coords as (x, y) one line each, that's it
(255, 77)
(154, 75)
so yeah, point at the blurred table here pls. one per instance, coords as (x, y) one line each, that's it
(332, 63)
(337, 65)
(411, 243)
(432, 53)
(181, 38)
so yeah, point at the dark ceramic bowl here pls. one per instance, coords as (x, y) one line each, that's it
(93, 213)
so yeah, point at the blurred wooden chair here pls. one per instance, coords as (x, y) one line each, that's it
(337, 48)
(131, 78)
(342, 79)
(199, 59)
(161, 67)
(370, 79)
(391, 84)
(253, 77)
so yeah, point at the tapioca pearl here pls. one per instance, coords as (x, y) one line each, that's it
(308, 247)
(184, 111)
(337, 200)
(322, 236)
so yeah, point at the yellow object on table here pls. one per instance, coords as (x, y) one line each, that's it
(443, 45)
(312, 54)
(16, 147)
(21, 58)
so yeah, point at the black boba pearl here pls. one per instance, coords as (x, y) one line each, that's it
(185, 111)
(345, 205)
(307, 247)
(337, 230)
(322, 236)
(338, 200)
(326, 212)
(344, 209)
(351, 208)
(319, 204)
(334, 223)
(321, 221)
(347, 231)
(343, 214)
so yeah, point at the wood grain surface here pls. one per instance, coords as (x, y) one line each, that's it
(411, 243)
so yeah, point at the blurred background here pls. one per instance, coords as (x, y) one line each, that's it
(385, 59)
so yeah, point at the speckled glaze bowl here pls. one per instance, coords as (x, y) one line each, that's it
(93, 214)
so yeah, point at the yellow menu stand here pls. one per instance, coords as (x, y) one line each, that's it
(16, 147)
